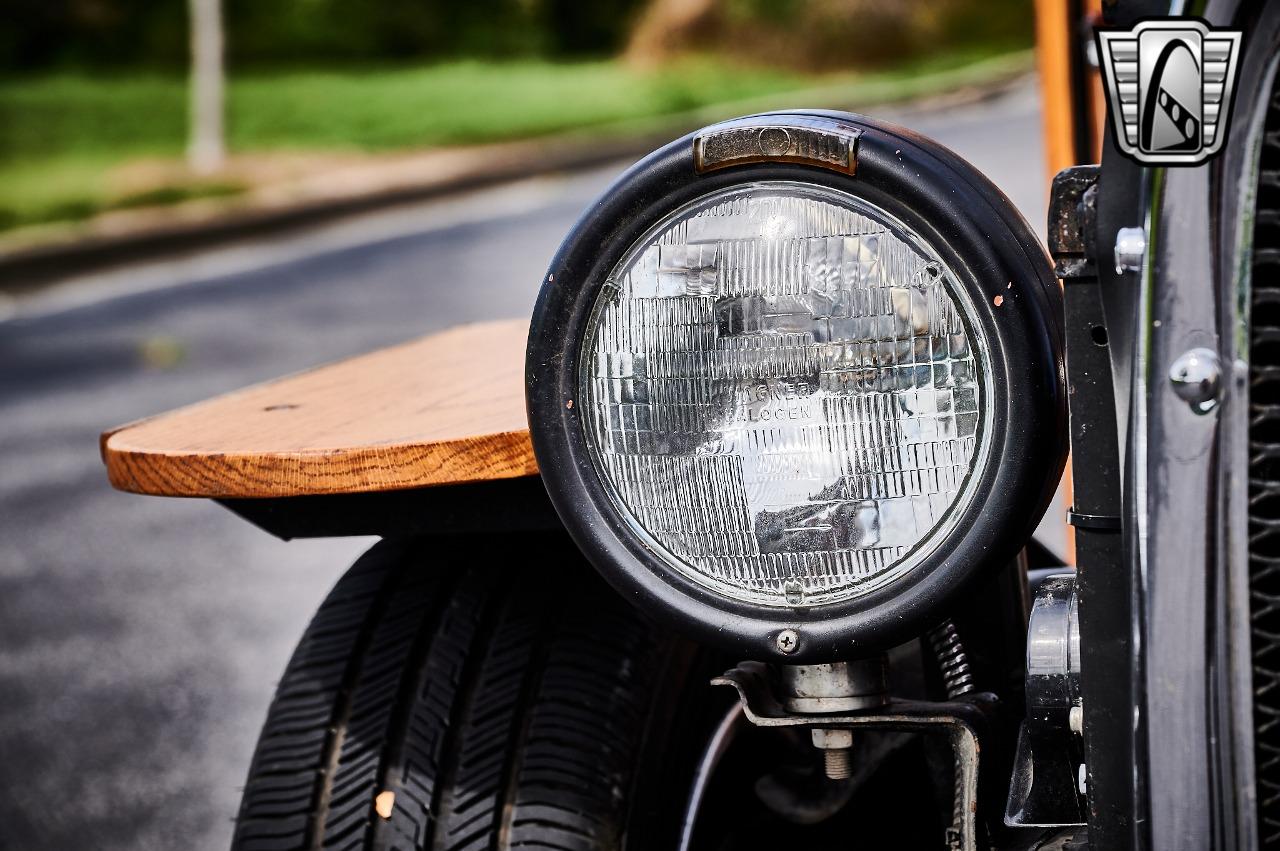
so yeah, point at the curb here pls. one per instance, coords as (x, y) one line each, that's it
(118, 238)
(196, 226)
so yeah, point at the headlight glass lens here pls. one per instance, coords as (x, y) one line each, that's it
(783, 394)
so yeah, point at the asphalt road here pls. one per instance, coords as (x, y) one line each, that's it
(140, 638)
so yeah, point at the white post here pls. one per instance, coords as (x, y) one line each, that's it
(205, 149)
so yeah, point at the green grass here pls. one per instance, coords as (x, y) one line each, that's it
(61, 135)
(455, 104)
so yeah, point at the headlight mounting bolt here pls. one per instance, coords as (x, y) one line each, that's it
(829, 689)
(788, 641)
(836, 750)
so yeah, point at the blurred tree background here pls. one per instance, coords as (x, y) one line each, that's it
(93, 93)
(146, 34)
(802, 34)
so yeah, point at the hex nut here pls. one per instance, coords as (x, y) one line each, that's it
(826, 739)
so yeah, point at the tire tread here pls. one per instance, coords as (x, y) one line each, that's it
(503, 709)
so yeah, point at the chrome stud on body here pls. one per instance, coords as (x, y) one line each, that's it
(1197, 377)
(1131, 248)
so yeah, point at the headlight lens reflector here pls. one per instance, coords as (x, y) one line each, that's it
(783, 395)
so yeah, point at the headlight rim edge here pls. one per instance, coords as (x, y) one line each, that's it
(903, 174)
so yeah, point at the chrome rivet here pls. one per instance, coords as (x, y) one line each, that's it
(1131, 248)
(1196, 377)
(788, 641)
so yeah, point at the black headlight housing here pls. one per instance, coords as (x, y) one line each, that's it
(977, 233)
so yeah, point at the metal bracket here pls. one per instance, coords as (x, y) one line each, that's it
(1072, 210)
(1094, 522)
(962, 721)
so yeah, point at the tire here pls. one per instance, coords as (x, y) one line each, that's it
(431, 706)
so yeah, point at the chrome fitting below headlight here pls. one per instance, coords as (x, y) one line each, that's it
(834, 687)
(1046, 789)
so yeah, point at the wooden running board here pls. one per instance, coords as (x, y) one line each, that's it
(445, 409)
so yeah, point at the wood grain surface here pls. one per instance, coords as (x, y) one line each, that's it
(446, 409)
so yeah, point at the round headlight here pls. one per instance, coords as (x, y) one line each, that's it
(799, 373)
(782, 395)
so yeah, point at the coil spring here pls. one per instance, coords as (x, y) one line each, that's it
(957, 676)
